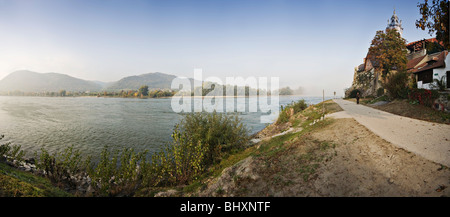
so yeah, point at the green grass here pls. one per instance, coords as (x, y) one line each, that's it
(267, 149)
(216, 170)
(315, 112)
(17, 183)
(275, 145)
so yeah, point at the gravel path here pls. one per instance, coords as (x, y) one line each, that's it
(429, 140)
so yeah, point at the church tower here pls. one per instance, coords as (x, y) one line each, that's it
(395, 23)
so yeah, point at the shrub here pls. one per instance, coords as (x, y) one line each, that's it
(412, 82)
(4, 148)
(116, 173)
(423, 96)
(353, 93)
(199, 140)
(179, 163)
(297, 107)
(380, 92)
(283, 117)
(396, 85)
(440, 84)
(59, 167)
(11, 152)
(221, 133)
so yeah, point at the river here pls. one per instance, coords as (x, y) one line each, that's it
(90, 123)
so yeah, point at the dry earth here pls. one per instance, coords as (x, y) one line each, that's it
(340, 158)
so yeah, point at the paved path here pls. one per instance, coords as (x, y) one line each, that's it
(429, 140)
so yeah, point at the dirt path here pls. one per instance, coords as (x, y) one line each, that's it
(429, 140)
(367, 165)
(341, 159)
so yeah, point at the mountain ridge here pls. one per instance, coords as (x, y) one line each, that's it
(29, 81)
(155, 80)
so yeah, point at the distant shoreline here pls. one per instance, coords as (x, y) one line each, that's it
(166, 97)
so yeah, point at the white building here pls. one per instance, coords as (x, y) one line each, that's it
(431, 67)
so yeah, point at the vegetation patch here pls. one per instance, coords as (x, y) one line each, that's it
(200, 141)
(407, 109)
(290, 110)
(16, 183)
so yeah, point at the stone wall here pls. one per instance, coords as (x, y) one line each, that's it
(442, 103)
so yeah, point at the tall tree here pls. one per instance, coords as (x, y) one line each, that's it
(143, 90)
(388, 52)
(435, 18)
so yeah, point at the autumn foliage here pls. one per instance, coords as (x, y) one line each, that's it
(435, 18)
(388, 50)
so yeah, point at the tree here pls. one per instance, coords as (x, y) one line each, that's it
(435, 18)
(388, 50)
(143, 90)
(62, 92)
(364, 78)
(433, 47)
(396, 85)
(286, 91)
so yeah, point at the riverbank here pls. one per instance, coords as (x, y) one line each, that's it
(18, 183)
(334, 157)
(308, 156)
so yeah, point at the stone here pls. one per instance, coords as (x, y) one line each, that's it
(26, 167)
(30, 161)
(390, 181)
(169, 193)
(255, 141)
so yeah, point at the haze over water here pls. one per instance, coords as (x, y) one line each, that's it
(89, 124)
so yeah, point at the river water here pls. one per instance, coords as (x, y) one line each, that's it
(90, 123)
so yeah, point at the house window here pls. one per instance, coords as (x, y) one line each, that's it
(425, 76)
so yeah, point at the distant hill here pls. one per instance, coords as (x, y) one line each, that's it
(102, 84)
(28, 81)
(155, 80)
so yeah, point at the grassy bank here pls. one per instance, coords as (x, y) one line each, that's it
(333, 157)
(271, 152)
(17, 183)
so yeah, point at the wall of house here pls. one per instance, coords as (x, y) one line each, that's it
(437, 74)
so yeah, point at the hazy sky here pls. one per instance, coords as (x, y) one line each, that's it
(314, 44)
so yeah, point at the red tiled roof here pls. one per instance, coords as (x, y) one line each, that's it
(418, 45)
(413, 63)
(436, 61)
